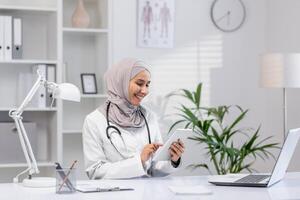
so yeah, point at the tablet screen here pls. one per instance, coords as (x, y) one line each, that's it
(162, 153)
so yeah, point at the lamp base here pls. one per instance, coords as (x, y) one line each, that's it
(39, 182)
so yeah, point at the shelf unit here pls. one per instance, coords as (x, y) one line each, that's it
(84, 50)
(40, 46)
(49, 38)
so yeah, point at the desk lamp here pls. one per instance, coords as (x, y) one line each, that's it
(281, 71)
(65, 91)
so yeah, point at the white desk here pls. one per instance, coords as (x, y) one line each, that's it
(157, 188)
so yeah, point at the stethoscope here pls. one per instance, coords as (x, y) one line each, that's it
(116, 130)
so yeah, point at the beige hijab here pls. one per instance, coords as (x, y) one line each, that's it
(121, 111)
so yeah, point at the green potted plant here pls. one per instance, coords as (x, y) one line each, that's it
(218, 134)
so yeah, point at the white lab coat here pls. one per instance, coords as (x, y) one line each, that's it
(103, 161)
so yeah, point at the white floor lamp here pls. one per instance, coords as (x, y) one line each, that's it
(281, 71)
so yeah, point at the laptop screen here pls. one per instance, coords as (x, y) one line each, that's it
(285, 156)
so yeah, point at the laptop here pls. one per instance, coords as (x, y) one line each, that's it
(263, 180)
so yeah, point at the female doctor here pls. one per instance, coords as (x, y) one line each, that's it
(120, 137)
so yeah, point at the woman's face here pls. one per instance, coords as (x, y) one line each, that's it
(138, 87)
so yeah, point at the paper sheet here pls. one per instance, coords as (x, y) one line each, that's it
(193, 189)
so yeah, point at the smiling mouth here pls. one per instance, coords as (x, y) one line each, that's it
(139, 97)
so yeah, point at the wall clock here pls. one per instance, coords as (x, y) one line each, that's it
(228, 15)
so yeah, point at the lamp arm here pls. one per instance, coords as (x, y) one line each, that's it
(40, 81)
(16, 114)
(27, 150)
(34, 168)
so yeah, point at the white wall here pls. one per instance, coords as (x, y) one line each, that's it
(283, 30)
(232, 76)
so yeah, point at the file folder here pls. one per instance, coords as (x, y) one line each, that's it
(7, 37)
(51, 77)
(40, 98)
(1, 38)
(17, 39)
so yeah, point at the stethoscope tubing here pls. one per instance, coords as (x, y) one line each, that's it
(119, 132)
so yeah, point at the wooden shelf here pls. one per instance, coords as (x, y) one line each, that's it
(34, 61)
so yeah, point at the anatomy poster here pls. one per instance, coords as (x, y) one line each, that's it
(155, 23)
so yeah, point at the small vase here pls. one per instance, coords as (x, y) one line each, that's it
(80, 17)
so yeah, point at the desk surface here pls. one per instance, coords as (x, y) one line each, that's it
(157, 188)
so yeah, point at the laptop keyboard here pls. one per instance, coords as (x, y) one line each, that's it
(252, 179)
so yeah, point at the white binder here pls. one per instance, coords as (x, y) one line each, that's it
(1, 38)
(7, 37)
(40, 98)
(25, 83)
(17, 39)
(51, 77)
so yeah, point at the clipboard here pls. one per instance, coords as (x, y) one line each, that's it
(89, 188)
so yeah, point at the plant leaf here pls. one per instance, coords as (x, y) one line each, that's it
(176, 123)
(197, 95)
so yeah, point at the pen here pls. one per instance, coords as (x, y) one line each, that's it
(66, 177)
(63, 175)
(112, 189)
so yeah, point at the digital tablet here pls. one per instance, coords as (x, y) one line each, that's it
(163, 151)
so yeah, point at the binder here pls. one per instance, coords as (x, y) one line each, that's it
(17, 39)
(1, 38)
(7, 37)
(51, 77)
(40, 98)
(25, 82)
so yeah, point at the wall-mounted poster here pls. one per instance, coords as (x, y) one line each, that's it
(155, 23)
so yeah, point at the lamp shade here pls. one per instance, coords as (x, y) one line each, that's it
(67, 91)
(280, 70)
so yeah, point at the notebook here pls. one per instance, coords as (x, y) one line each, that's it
(263, 180)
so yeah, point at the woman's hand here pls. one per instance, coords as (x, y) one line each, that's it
(148, 150)
(176, 150)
